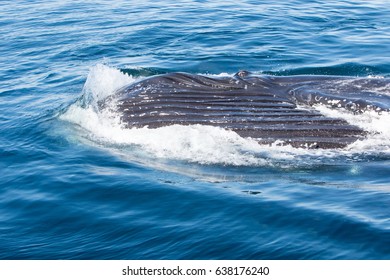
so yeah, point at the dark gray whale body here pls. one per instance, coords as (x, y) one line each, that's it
(266, 108)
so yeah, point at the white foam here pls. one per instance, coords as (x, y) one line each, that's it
(196, 143)
(207, 144)
(376, 124)
(102, 81)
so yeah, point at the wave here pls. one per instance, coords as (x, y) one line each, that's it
(206, 144)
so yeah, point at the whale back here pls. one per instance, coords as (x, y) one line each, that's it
(264, 108)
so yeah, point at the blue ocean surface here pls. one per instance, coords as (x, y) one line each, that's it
(76, 185)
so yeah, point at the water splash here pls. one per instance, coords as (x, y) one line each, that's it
(102, 81)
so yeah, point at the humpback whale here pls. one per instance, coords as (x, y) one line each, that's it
(266, 108)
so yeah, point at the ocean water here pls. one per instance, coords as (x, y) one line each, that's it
(76, 185)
